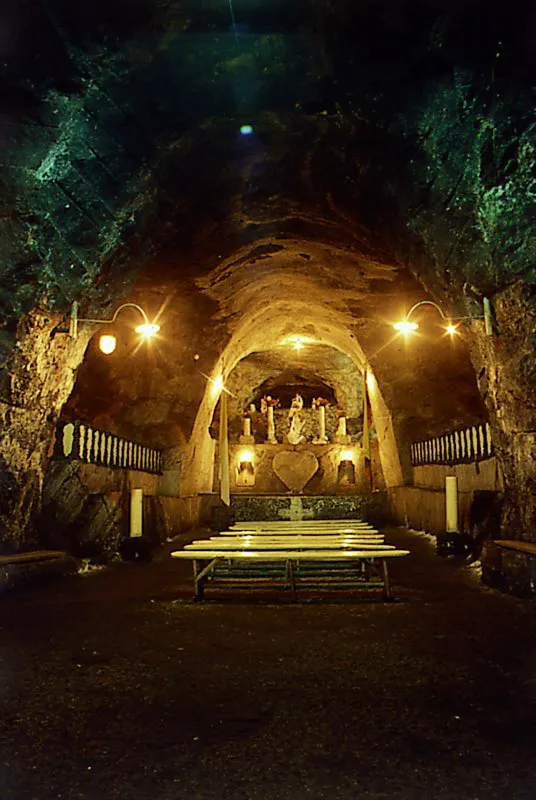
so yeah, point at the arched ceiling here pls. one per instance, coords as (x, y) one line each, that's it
(390, 160)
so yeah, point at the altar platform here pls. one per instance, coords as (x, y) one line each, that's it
(372, 507)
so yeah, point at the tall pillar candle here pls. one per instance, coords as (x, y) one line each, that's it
(271, 425)
(136, 513)
(451, 494)
(247, 426)
(322, 422)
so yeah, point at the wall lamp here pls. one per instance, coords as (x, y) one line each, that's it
(406, 325)
(108, 342)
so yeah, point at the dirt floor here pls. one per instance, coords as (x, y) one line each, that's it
(115, 685)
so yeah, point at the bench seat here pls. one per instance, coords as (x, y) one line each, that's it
(268, 544)
(31, 557)
(363, 568)
(302, 532)
(529, 548)
(302, 526)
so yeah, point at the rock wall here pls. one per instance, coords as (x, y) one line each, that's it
(36, 379)
(86, 509)
(506, 368)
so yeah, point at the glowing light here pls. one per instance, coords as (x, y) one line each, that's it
(107, 344)
(298, 342)
(451, 329)
(371, 383)
(245, 455)
(405, 326)
(217, 385)
(347, 455)
(148, 329)
(246, 130)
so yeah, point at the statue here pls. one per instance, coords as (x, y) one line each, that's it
(296, 407)
(295, 436)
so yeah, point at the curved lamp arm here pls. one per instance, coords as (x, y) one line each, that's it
(405, 325)
(147, 328)
(415, 306)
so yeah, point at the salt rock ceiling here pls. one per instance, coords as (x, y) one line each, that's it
(391, 158)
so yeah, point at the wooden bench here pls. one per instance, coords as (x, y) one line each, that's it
(289, 567)
(282, 543)
(318, 525)
(303, 532)
(529, 548)
(31, 557)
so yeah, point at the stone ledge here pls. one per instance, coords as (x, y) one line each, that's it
(510, 567)
(14, 575)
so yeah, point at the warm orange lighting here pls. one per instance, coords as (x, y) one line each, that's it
(347, 455)
(148, 329)
(405, 326)
(217, 386)
(298, 342)
(451, 329)
(107, 344)
(245, 455)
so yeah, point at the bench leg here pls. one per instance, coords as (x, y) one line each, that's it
(386, 586)
(291, 577)
(198, 582)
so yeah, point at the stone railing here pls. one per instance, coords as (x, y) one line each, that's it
(80, 442)
(460, 447)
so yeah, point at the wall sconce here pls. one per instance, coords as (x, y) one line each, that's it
(346, 471)
(108, 342)
(245, 460)
(245, 471)
(406, 325)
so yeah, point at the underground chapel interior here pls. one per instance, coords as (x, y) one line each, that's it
(269, 260)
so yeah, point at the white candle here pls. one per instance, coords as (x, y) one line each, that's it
(451, 492)
(271, 425)
(322, 421)
(247, 426)
(342, 426)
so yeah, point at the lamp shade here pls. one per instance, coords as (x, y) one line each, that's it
(107, 343)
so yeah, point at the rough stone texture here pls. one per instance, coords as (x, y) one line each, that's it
(36, 380)
(86, 508)
(506, 368)
(295, 468)
(372, 508)
(480, 475)
(325, 480)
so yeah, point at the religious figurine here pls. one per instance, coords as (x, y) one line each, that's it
(264, 405)
(296, 407)
(295, 436)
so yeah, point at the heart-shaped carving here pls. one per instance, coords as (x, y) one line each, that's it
(294, 468)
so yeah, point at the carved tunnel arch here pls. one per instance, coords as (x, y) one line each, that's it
(261, 330)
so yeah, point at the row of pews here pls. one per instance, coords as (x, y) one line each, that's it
(311, 555)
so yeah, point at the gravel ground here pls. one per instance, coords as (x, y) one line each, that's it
(114, 685)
